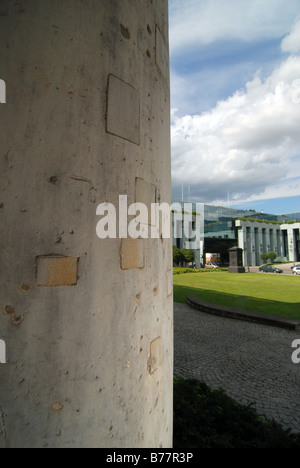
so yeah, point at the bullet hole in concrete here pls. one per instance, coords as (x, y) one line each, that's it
(17, 319)
(57, 406)
(25, 287)
(149, 29)
(53, 180)
(125, 31)
(9, 310)
(155, 291)
(148, 53)
(1, 205)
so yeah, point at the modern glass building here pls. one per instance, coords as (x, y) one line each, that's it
(220, 228)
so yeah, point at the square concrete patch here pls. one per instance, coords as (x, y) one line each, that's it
(123, 110)
(56, 271)
(154, 360)
(132, 254)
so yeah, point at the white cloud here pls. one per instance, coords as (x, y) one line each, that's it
(195, 22)
(291, 43)
(248, 144)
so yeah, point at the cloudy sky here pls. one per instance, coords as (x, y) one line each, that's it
(235, 87)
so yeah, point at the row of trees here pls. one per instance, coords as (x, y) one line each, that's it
(268, 256)
(182, 256)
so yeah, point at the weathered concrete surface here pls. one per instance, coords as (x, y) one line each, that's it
(87, 322)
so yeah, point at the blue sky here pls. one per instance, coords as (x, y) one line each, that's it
(235, 98)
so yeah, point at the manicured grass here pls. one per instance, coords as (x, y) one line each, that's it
(257, 292)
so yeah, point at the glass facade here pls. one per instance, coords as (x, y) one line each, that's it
(223, 228)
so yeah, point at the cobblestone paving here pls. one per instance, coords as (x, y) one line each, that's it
(251, 362)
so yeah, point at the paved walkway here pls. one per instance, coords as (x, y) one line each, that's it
(252, 362)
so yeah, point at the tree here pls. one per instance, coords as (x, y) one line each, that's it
(177, 255)
(264, 257)
(188, 255)
(272, 256)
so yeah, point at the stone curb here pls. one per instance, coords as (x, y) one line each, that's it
(273, 320)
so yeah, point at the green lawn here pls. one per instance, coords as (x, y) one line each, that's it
(266, 293)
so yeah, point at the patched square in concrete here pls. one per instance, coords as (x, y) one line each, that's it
(154, 360)
(123, 110)
(56, 271)
(132, 254)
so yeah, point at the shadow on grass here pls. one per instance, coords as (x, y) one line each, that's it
(247, 303)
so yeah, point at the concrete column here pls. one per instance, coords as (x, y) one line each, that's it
(279, 243)
(268, 240)
(272, 246)
(275, 242)
(251, 247)
(264, 240)
(242, 243)
(87, 322)
(291, 245)
(259, 247)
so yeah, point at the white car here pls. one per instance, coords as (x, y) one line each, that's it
(296, 270)
(211, 265)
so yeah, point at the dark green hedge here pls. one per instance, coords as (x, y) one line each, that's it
(207, 418)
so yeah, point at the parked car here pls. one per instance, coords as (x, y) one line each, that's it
(296, 270)
(295, 266)
(270, 269)
(211, 265)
